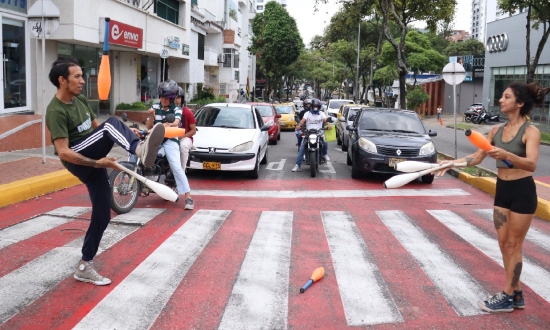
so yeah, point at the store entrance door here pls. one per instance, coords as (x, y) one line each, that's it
(13, 78)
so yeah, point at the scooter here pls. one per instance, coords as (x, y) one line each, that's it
(125, 189)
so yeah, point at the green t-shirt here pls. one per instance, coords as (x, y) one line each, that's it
(72, 121)
(161, 113)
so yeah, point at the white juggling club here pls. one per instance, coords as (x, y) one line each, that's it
(409, 166)
(402, 179)
(160, 189)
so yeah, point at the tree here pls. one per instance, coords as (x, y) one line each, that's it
(467, 47)
(404, 13)
(416, 97)
(276, 43)
(538, 12)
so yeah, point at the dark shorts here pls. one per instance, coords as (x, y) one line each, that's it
(519, 196)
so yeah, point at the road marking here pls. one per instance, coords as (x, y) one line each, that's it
(280, 165)
(533, 275)
(27, 283)
(137, 216)
(32, 227)
(457, 286)
(365, 296)
(260, 295)
(340, 149)
(534, 235)
(333, 193)
(330, 168)
(147, 289)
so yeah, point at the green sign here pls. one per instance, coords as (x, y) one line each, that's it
(15, 5)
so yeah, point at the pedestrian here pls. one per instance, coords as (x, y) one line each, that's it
(439, 109)
(515, 201)
(82, 144)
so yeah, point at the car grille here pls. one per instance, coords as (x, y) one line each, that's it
(392, 151)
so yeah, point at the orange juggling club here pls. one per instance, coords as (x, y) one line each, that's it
(478, 140)
(315, 276)
(174, 132)
(104, 74)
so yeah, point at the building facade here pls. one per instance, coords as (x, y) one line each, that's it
(505, 59)
(149, 41)
(260, 4)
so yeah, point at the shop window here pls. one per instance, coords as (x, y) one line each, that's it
(168, 9)
(13, 48)
(200, 47)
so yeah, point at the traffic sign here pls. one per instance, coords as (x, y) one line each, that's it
(164, 53)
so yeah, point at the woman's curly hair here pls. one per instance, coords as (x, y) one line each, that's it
(529, 94)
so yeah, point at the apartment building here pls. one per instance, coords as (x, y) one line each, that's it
(483, 12)
(459, 35)
(149, 41)
(260, 4)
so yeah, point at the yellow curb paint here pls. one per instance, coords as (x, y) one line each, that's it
(23, 190)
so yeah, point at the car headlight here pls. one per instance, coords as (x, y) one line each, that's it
(427, 149)
(242, 147)
(367, 145)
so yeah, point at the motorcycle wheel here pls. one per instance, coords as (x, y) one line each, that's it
(468, 119)
(124, 191)
(312, 163)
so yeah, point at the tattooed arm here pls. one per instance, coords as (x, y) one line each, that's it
(67, 154)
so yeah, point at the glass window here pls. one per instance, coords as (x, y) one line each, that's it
(265, 110)
(284, 109)
(200, 48)
(237, 76)
(168, 9)
(227, 57)
(230, 117)
(13, 48)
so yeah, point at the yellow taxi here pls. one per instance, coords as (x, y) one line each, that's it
(287, 112)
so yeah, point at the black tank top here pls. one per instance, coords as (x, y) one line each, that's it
(515, 146)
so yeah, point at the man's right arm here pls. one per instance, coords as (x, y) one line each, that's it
(67, 154)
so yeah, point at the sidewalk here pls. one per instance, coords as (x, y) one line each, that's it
(23, 175)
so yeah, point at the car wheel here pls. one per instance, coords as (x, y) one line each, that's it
(429, 178)
(344, 146)
(255, 173)
(264, 160)
(338, 140)
(279, 135)
(355, 174)
(348, 159)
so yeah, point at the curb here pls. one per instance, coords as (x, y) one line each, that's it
(26, 189)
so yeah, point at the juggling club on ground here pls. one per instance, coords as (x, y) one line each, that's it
(315, 276)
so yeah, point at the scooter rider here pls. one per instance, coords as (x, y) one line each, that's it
(314, 119)
(168, 90)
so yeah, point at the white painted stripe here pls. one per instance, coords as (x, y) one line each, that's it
(27, 283)
(137, 216)
(534, 235)
(333, 193)
(533, 275)
(365, 296)
(259, 299)
(32, 227)
(455, 284)
(138, 300)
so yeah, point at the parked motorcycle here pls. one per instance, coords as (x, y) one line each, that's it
(480, 118)
(125, 189)
(469, 114)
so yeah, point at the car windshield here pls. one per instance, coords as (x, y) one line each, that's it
(391, 122)
(338, 104)
(229, 117)
(284, 109)
(265, 110)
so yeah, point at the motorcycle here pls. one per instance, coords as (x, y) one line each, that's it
(480, 118)
(470, 114)
(125, 189)
(315, 139)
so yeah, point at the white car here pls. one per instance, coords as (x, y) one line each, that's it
(230, 137)
(334, 105)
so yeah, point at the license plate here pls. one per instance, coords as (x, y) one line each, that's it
(214, 166)
(394, 161)
(283, 124)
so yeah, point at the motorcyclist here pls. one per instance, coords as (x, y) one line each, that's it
(314, 119)
(168, 90)
(306, 107)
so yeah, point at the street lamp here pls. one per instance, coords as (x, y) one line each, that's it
(44, 20)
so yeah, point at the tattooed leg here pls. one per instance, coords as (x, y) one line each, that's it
(499, 218)
(517, 273)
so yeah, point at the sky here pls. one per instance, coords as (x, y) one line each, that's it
(311, 24)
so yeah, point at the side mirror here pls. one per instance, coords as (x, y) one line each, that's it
(278, 115)
(432, 133)
(342, 119)
(351, 128)
(264, 128)
(330, 119)
(170, 118)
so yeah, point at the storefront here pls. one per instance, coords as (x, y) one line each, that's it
(15, 57)
(505, 59)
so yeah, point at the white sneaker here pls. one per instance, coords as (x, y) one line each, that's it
(296, 168)
(326, 158)
(85, 272)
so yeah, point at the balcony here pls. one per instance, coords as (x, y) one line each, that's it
(211, 56)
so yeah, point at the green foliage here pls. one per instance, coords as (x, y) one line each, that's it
(416, 96)
(467, 47)
(134, 106)
(233, 14)
(205, 93)
(219, 99)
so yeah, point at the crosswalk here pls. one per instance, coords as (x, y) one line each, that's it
(261, 294)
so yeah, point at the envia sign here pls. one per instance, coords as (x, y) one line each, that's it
(125, 35)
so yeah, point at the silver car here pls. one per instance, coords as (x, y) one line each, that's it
(347, 117)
